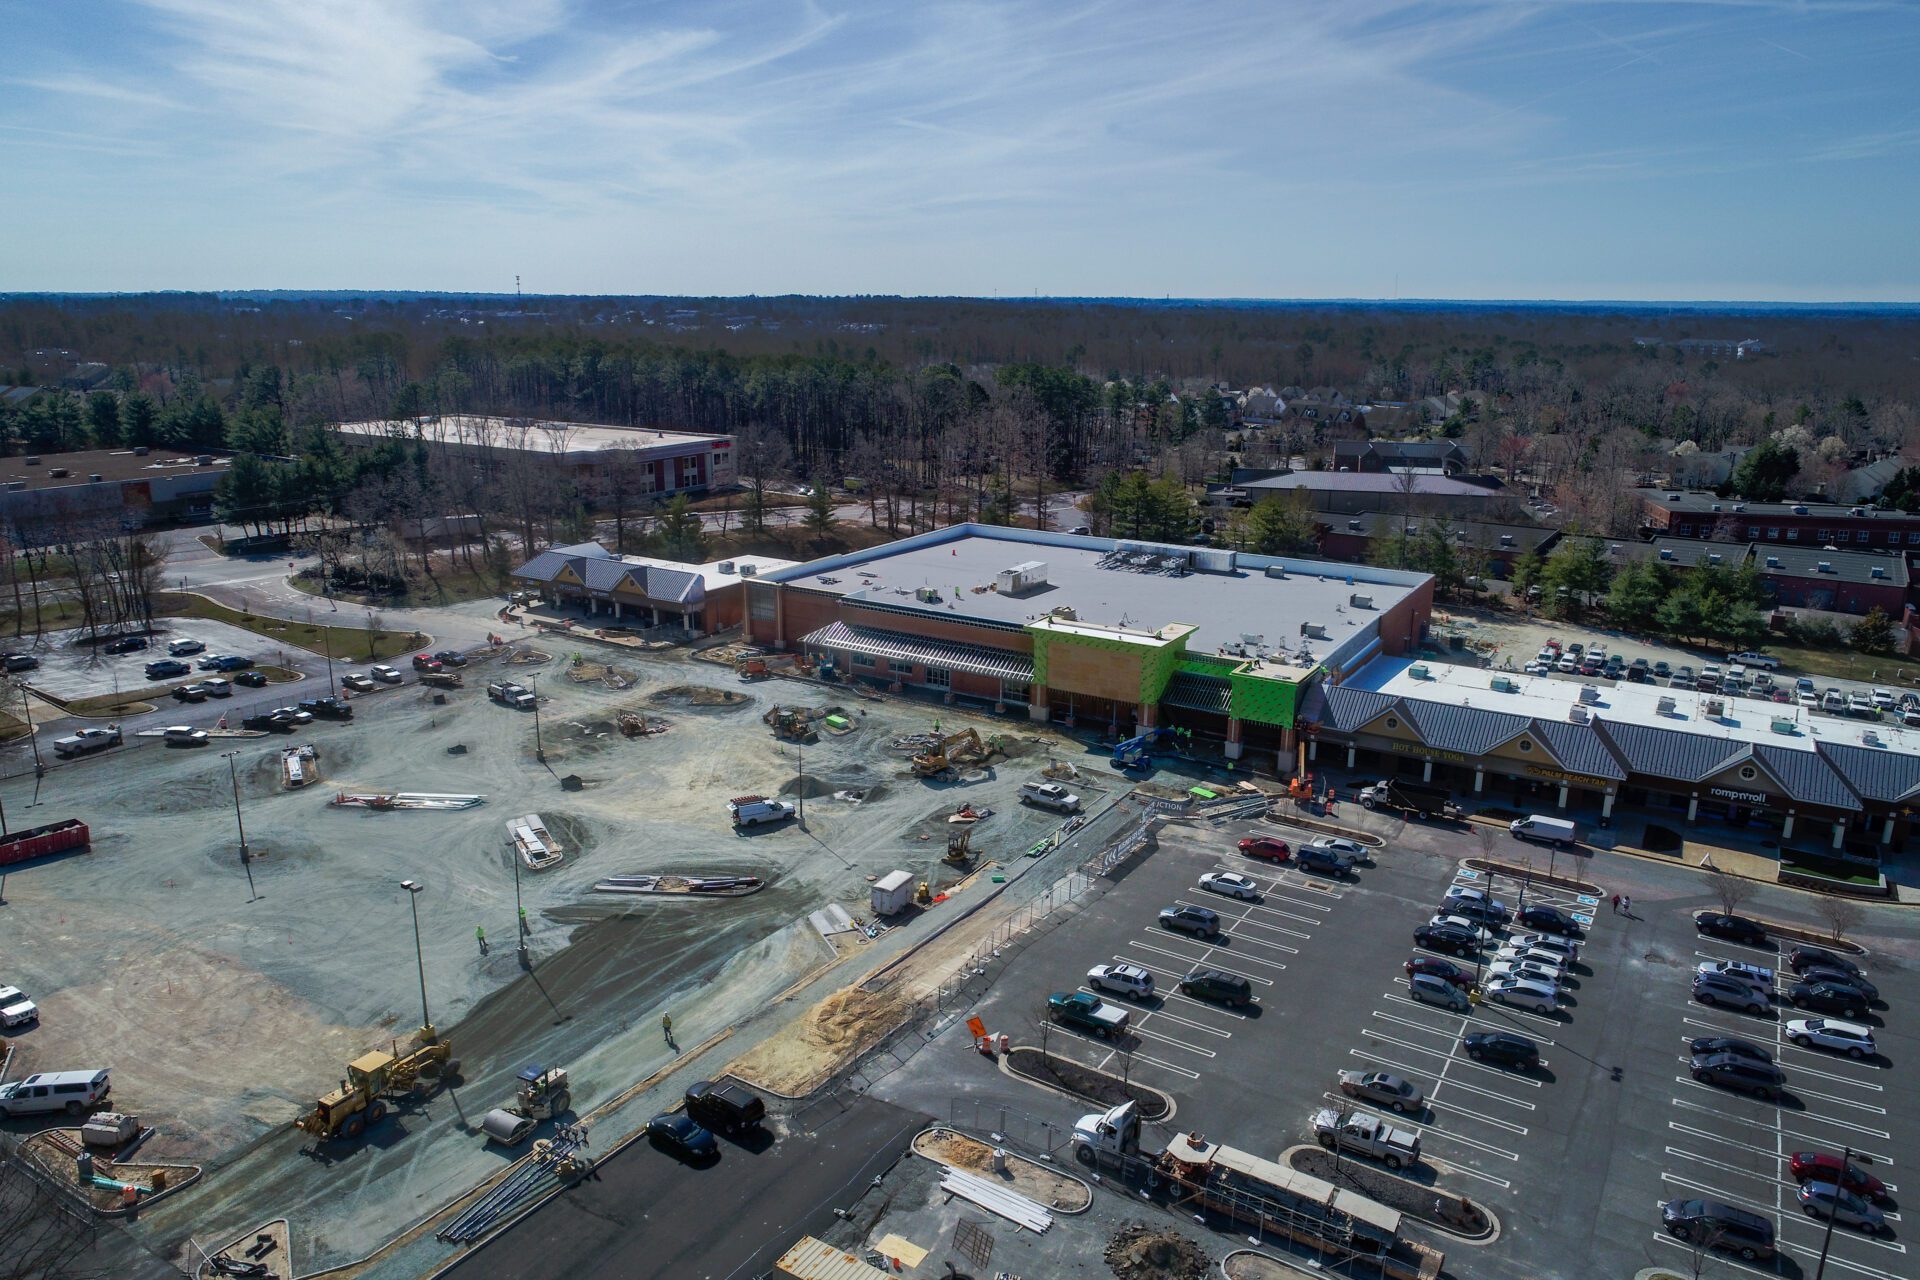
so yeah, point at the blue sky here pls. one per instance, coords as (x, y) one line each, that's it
(1734, 149)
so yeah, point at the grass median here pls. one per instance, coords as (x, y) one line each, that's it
(347, 644)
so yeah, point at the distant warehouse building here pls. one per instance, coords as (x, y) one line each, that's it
(1691, 514)
(1110, 634)
(1833, 580)
(108, 489)
(669, 462)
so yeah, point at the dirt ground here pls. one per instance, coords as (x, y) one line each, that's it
(1055, 1190)
(224, 1013)
(840, 1027)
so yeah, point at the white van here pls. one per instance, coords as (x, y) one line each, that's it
(1050, 795)
(74, 1092)
(1544, 830)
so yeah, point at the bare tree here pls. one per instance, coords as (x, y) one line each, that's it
(1841, 914)
(1731, 890)
(43, 1235)
(761, 457)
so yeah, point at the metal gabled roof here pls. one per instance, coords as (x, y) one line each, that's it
(1669, 753)
(894, 647)
(1580, 749)
(1198, 693)
(1806, 776)
(1348, 709)
(1473, 731)
(1876, 773)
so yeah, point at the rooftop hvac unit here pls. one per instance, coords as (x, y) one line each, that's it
(1503, 684)
(1859, 511)
(1022, 577)
(1783, 724)
(139, 451)
(202, 459)
(1506, 539)
(1870, 738)
(1714, 707)
(1673, 497)
(1360, 602)
(1579, 715)
(1879, 571)
(1249, 638)
(1666, 553)
(58, 473)
(1353, 526)
(1739, 506)
(1419, 671)
(1666, 706)
(1713, 557)
(725, 566)
(927, 595)
(1773, 562)
(1066, 612)
(1799, 511)
(94, 477)
(1276, 571)
(1826, 566)
(1205, 560)
(1716, 506)
(749, 570)
(1614, 550)
(1588, 693)
(33, 459)
(1313, 629)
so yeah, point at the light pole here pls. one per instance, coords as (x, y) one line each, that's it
(800, 753)
(26, 714)
(1847, 1154)
(539, 750)
(519, 912)
(246, 858)
(427, 1034)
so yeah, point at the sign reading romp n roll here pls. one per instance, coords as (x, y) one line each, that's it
(1744, 797)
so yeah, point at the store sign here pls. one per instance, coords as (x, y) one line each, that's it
(1561, 775)
(1744, 797)
(1415, 749)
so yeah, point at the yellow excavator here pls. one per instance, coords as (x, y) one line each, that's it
(361, 1100)
(950, 752)
(959, 848)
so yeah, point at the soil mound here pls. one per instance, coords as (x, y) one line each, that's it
(695, 695)
(1140, 1252)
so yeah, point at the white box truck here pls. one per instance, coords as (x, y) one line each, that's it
(892, 893)
(1544, 830)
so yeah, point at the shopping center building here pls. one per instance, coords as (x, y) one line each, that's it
(1106, 634)
(1807, 778)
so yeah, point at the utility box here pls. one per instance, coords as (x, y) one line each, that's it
(109, 1129)
(891, 893)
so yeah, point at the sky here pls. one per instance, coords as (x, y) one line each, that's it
(1563, 149)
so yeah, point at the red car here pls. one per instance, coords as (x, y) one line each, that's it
(1266, 847)
(1445, 970)
(1823, 1166)
(425, 662)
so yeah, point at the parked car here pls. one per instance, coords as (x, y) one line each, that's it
(251, 679)
(1340, 846)
(425, 662)
(1719, 924)
(1750, 658)
(1731, 1071)
(1530, 970)
(1825, 1200)
(217, 687)
(1662, 670)
(1714, 989)
(183, 735)
(1503, 1047)
(1488, 914)
(183, 646)
(682, 1135)
(1550, 961)
(125, 644)
(452, 657)
(1128, 980)
(167, 669)
(294, 714)
(1683, 678)
(1218, 986)
(1428, 989)
(728, 1107)
(1434, 966)
(1467, 893)
(385, 674)
(1198, 921)
(1309, 858)
(1719, 1226)
(1759, 977)
(1828, 997)
(327, 708)
(1383, 1089)
(15, 1009)
(231, 662)
(82, 742)
(357, 682)
(1805, 956)
(1553, 942)
(1523, 993)
(1711, 1045)
(1481, 936)
(1230, 883)
(190, 693)
(1850, 1038)
(1551, 920)
(1266, 847)
(74, 1092)
(1825, 1166)
(1446, 937)
(1841, 978)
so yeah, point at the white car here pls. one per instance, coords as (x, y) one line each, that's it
(1128, 980)
(1569, 663)
(294, 714)
(1544, 942)
(1759, 977)
(1231, 883)
(1525, 970)
(1461, 922)
(15, 1009)
(1523, 993)
(1883, 698)
(1808, 698)
(1338, 844)
(183, 646)
(358, 682)
(1538, 668)
(1749, 658)
(1538, 955)
(385, 674)
(1849, 1038)
(184, 735)
(1468, 893)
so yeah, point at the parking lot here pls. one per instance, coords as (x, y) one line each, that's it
(1575, 1154)
(73, 670)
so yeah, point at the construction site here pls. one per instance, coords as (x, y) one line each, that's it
(455, 883)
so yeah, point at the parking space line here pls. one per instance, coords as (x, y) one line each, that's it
(1246, 917)
(1816, 1225)
(1278, 882)
(1691, 1083)
(1811, 1071)
(1202, 959)
(1447, 1166)
(1781, 1129)
(1728, 1196)
(1202, 1004)
(1211, 954)
(1482, 1022)
(1457, 1060)
(1140, 1030)
(1230, 932)
(1722, 1165)
(1844, 1102)
(1401, 1066)
(1664, 1238)
(1451, 1033)
(1162, 1013)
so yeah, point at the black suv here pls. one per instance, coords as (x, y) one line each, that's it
(1550, 920)
(1719, 1226)
(1198, 921)
(1213, 984)
(1491, 914)
(1712, 1046)
(1803, 957)
(1734, 1071)
(1735, 928)
(1326, 861)
(1828, 997)
(271, 722)
(1503, 1047)
(327, 709)
(1447, 937)
(251, 679)
(124, 644)
(730, 1108)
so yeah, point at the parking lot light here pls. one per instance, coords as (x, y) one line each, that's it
(1847, 1156)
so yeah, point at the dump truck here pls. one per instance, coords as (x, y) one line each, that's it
(372, 1078)
(1412, 798)
(541, 1093)
(510, 694)
(1087, 1012)
(1362, 1134)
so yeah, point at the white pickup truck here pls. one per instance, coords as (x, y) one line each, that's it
(86, 742)
(510, 694)
(1366, 1135)
(750, 811)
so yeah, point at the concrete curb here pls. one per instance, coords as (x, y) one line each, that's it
(1493, 1230)
(914, 1146)
(1000, 1060)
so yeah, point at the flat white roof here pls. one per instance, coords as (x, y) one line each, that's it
(564, 438)
(1551, 697)
(712, 575)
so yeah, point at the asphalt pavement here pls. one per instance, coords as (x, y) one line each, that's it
(646, 1213)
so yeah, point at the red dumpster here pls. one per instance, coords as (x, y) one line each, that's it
(38, 842)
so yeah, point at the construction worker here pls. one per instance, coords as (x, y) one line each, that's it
(666, 1027)
(524, 930)
(480, 936)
